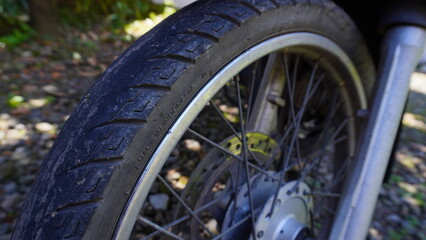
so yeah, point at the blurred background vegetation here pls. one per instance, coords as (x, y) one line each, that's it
(21, 20)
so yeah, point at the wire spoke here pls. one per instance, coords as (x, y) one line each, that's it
(328, 189)
(182, 219)
(334, 107)
(229, 125)
(244, 155)
(308, 168)
(226, 121)
(237, 224)
(158, 228)
(250, 98)
(277, 149)
(226, 151)
(327, 144)
(181, 201)
(339, 176)
(323, 194)
(262, 93)
(291, 89)
(314, 154)
(295, 132)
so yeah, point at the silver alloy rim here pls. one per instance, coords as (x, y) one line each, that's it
(309, 40)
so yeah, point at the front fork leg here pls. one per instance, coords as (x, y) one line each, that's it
(401, 51)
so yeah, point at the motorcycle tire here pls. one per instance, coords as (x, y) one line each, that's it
(97, 176)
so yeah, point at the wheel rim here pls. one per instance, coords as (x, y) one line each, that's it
(301, 43)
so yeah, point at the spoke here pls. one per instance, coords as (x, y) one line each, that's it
(261, 104)
(313, 155)
(329, 188)
(250, 98)
(334, 107)
(229, 125)
(308, 168)
(259, 162)
(236, 185)
(219, 236)
(226, 121)
(323, 194)
(276, 150)
(182, 219)
(244, 155)
(291, 89)
(226, 151)
(159, 228)
(339, 176)
(329, 210)
(181, 201)
(314, 89)
(295, 68)
(296, 123)
(295, 133)
(326, 145)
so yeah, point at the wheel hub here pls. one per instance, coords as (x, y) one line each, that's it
(290, 216)
(288, 220)
(238, 211)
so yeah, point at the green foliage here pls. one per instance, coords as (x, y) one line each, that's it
(394, 235)
(395, 179)
(421, 198)
(116, 12)
(14, 16)
(18, 35)
(14, 101)
(137, 28)
(13, 23)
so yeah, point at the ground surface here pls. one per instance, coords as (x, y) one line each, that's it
(42, 82)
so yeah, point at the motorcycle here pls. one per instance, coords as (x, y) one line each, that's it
(250, 119)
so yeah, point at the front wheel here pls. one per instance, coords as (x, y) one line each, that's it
(230, 120)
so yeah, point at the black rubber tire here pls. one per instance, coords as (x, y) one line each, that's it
(91, 170)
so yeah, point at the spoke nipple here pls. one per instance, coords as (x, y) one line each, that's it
(260, 234)
(363, 113)
(277, 100)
